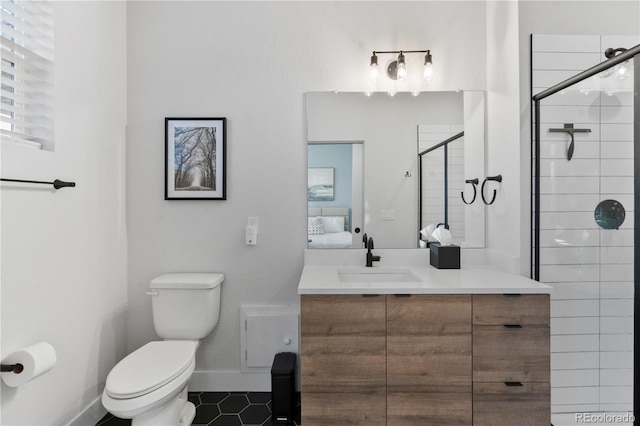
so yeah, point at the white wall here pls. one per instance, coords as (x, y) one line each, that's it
(252, 62)
(503, 217)
(64, 253)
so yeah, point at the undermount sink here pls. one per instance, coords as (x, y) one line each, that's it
(377, 276)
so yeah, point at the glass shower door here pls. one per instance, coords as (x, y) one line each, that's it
(585, 243)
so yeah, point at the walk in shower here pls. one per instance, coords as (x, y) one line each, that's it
(585, 196)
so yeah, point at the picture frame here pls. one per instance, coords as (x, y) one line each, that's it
(195, 158)
(320, 184)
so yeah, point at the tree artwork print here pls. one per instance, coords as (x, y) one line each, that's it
(195, 154)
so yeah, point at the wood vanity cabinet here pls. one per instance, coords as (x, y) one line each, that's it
(511, 360)
(425, 360)
(428, 360)
(343, 360)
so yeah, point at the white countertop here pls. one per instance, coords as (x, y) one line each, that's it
(473, 279)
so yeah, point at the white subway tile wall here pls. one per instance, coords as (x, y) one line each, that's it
(591, 269)
(433, 178)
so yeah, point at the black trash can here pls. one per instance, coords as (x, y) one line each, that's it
(283, 388)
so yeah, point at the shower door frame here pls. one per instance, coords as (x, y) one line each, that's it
(535, 185)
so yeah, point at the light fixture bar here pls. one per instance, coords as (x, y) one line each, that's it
(397, 70)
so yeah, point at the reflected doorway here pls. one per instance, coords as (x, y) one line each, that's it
(336, 217)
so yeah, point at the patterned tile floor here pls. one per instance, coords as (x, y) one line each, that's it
(223, 409)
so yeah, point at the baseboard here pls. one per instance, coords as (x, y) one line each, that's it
(229, 381)
(91, 415)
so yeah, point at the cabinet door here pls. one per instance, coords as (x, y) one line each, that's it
(343, 360)
(429, 360)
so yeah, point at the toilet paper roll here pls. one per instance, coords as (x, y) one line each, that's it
(36, 360)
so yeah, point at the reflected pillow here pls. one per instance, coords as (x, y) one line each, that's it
(315, 226)
(332, 224)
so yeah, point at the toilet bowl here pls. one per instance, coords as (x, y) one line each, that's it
(149, 386)
(150, 381)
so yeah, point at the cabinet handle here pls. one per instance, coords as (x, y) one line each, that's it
(370, 295)
(402, 295)
(513, 384)
(512, 325)
(512, 295)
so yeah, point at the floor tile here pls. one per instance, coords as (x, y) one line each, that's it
(223, 409)
(233, 404)
(255, 414)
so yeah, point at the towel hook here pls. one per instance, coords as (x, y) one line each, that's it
(473, 183)
(498, 179)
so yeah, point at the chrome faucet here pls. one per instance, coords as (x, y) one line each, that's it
(370, 257)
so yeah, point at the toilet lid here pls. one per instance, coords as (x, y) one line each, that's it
(150, 367)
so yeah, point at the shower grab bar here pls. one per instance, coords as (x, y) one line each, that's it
(57, 184)
(602, 66)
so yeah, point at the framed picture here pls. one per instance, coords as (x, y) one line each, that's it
(195, 159)
(320, 184)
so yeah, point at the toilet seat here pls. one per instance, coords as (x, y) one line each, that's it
(151, 367)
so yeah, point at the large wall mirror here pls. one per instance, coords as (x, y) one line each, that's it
(364, 167)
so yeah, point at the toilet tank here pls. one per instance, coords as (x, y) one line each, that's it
(185, 305)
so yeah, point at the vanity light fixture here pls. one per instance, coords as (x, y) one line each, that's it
(397, 70)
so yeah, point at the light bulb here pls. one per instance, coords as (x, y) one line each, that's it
(402, 68)
(428, 66)
(622, 72)
(374, 67)
(428, 72)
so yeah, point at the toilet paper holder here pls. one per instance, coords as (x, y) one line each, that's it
(14, 368)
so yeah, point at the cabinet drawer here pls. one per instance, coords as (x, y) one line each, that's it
(339, 409)
(511, 354)
(498, 309)
(342, 315)
(496, 404)
(429, 408)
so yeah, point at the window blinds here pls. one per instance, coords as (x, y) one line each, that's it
(26, 107)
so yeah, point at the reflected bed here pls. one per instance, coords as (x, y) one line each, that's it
(329, 227)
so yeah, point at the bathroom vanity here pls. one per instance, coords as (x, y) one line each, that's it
(413, 345)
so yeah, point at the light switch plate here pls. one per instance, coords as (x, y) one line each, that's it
(387, 215)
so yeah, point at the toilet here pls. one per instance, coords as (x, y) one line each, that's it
(149, 386)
